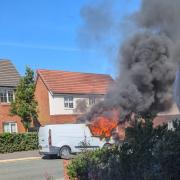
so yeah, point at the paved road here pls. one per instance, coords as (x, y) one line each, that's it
(36, 169)
(21, 154)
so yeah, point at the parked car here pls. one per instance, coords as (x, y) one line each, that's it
(65, 139)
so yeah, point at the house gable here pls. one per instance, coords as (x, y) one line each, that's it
(54, 87)
(9, 79)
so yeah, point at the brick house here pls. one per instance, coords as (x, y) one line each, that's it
(58, 94)
(9, 78)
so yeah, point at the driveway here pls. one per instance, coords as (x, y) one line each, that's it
(28, 167)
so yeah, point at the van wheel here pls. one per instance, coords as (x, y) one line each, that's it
(65, 152)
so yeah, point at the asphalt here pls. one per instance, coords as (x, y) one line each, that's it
(17, 155)
(29, 165)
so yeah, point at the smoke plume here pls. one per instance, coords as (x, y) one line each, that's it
(98, 23)
(81, 106)
(147, 61)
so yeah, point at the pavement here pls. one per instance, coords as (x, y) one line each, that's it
(19, 155)
(29, 165)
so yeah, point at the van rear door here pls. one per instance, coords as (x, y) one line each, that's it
(43, 136)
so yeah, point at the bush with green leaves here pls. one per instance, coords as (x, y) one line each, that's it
(167, 153)
(95, 164)
(18, 142)
(146, 154)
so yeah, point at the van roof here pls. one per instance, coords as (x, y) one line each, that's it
(63, 125)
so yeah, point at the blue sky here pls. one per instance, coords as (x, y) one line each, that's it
(43, 34)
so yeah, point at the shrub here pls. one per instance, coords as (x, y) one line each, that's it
(95, 164)
(147, 154)
(18, 142)
(167, 153)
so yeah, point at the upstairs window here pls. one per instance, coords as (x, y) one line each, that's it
(6, 95)
(92, 100)
(68, 102)
(10, 127)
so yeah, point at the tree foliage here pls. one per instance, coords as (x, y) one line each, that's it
(25, 105)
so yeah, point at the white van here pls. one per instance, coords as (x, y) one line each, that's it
(64, 139)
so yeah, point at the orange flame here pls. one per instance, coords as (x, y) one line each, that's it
(102, 126)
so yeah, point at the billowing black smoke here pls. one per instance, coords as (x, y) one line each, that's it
(147, 61)
(160, 16)
(146, 76)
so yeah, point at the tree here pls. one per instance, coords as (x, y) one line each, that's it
(138, 149)
(25, 105)
(168, 153)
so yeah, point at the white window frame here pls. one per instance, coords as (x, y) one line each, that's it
(6, 91)
(68, 102)
(10, 123)
(92, 100)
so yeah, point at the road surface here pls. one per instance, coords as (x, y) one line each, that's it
(31, 169)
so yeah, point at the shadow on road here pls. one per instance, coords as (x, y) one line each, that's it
(50, 157)
(53, 157)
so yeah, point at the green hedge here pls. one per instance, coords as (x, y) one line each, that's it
(18, 142)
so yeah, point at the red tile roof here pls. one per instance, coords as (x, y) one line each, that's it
(164, 119)
(75, 82)
(9, 76)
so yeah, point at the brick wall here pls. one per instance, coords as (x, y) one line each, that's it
(62, 119)
(5, 117)
(65, 164)
(42, 97)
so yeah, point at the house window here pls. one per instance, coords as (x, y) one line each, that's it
(92, 100)
(68, 102)
(10, 95)
(6, 95)
(171, 125)
(10, 127)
